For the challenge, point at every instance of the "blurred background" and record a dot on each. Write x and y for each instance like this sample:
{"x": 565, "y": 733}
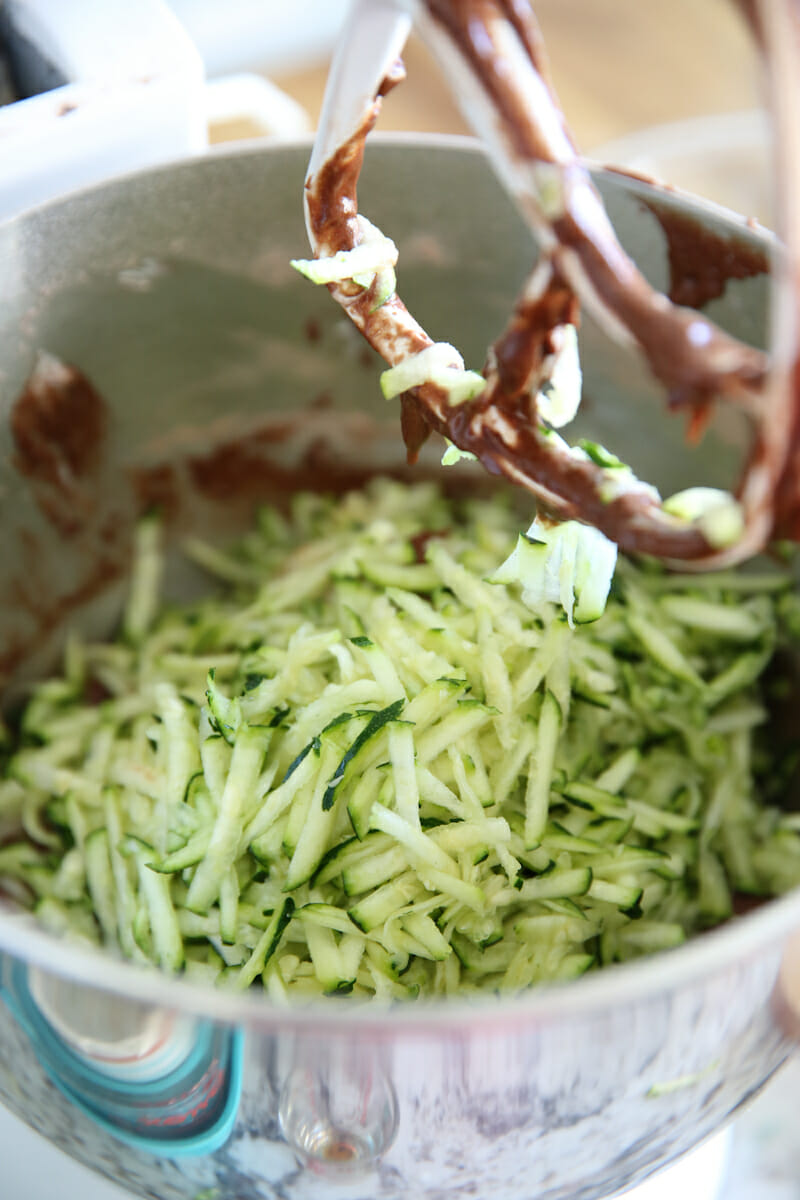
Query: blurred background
{"x": 668, "y": 89}
{"x": 618, "y": 65}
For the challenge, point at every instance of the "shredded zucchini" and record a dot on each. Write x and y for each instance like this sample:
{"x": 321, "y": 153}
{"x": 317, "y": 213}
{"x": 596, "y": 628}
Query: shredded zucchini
{"x": 366, "y": 767}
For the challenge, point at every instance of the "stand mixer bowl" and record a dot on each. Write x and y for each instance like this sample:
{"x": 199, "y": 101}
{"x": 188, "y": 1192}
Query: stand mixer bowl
{"x": 224, "y": 379}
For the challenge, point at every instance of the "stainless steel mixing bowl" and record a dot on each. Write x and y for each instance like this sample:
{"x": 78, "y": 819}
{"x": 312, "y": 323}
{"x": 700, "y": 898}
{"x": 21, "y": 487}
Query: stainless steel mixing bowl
{"x": 172, "y": 291}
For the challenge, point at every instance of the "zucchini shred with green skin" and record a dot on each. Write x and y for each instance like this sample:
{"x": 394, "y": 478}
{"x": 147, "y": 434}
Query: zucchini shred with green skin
{"x": 366, "y": 769}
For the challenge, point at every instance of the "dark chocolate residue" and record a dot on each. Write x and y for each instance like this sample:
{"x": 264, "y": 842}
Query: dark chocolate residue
{"x": 414, "y": 425}
{"x": 701, "y": 262}
{"x": 312, "y": 330}
{"x": 241, "y": 470}
{"x": 57, "y": 423}
{"x": 419, "y": 542}
{"x": 744, "y": 903}
{"x": 528, "y": 339}
{"x": 156, "y": 488}
{"x": 95, "y": 692}
{"x": 58, "y": 426}
{"x": 236, "y": 473}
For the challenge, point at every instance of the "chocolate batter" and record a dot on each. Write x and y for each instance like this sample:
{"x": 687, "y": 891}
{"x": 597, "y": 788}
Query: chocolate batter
{"x": 697, "y": 363}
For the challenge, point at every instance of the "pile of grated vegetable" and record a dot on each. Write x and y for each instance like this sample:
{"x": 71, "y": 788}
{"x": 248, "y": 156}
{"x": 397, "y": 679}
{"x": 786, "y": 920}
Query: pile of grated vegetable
{"x": 366, "y": 768}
